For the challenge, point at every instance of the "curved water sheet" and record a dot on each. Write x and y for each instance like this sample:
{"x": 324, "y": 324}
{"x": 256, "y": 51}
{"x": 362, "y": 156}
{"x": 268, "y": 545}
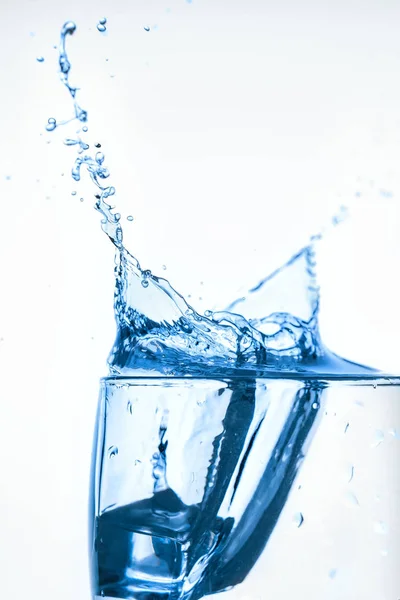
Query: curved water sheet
{"x": 272, "y": 329}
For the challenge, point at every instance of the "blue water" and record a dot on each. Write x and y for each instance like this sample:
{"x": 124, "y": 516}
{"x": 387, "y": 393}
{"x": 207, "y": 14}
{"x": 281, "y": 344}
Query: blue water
{"x": 271, "y": 332}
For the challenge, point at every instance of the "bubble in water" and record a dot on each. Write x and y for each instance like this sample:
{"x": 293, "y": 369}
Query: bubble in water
{"x": 51, "y": 124}
{"x": 40, "y": 59}
{"x": 379, "y": 436}
{"x": 380, "y": 527}
{"x": 298, "y": 519}
{"x": 112, "y": 451}
{"x": 129, "y": 218}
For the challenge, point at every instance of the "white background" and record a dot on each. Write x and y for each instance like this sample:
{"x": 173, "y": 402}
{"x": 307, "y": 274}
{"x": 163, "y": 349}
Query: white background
{"x": 233, "y": 131}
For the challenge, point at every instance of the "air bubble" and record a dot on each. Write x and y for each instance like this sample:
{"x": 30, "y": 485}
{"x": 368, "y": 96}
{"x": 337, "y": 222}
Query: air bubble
{"x": 112, "y": 451}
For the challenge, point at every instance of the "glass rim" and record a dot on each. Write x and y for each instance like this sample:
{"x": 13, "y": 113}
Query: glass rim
{"x": 378, "y": 379}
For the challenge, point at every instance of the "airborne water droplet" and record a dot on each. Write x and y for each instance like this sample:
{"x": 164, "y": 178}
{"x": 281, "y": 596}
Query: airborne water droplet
{"x": 51, "y": 124}
{"x": 379, "y": 437}
{"x": 332, "y": 573}
{"x": 112, "y": 451}
{"x": 298, "y": 519}
{"x": 351, "y": 499}
{"x": 73, "y": 193}
{"x": 102, "y": 28}
{"x": 129, "y": 407}
{"x": 40, "y": 59}
{"x": 380, "y": 527}
{"x": 146, "y": 28}
{"x": 129, "y": 218}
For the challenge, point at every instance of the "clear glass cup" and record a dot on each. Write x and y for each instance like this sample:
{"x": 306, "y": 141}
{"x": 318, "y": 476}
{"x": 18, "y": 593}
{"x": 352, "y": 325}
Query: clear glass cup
{"x": 246, "y": 488}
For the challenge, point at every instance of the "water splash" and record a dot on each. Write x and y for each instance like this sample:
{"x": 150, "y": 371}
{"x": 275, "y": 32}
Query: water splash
{"x": 274, "y": 327}
{"x": 101, "y": 25}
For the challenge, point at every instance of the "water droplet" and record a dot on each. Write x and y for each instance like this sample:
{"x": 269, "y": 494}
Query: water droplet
{"x": 164, "y": 267}
{"x": 379, "y": 437}
{"x": 394, "y": 433}
{"x": 146, "y": 28}
{"x": 347, "y": 427}
{"x": 81, "y": 199}
{"x": 99, "y": 158}
{"x": 380, "y": 527}
{"x": 112, "y": 451}
{"x": 103, "y": 21}
{"x": 208, "y": 313}
{"x": 137, "y": 462}
{"x": 97, "y": 145}
{"x": 51, "y": 124}
{"x": 129, "y": 218}
{"x": 40, "y": 59}
{"x": 298, "y": 519}
{"x": 129, "y": 407}
{"x": 332, "y": 573}
{"x": 85, "y": 128}
{"x": 102, "y": 28}
{"x": 351, "y": 499}
{"x": 315, "y": 405}
{"x": 351, "y": 474}
{"x": 73, "y": 193}
{"x": 145, "y": 283}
